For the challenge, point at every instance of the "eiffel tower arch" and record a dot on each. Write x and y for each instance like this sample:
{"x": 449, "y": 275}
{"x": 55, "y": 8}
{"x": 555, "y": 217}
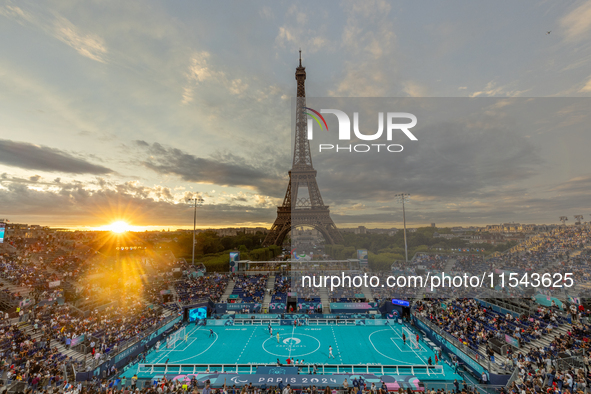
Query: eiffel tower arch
{"x": 302, "y": 205}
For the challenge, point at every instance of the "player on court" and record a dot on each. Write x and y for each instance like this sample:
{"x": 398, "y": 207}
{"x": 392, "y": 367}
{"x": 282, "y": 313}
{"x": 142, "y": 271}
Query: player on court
{"x": 211, "y": 333}
{"x": 277, "y": 337}
{"x": 404, "y": 338}
{"x": 417, "y": 338}
{"x": 330, "y": 352}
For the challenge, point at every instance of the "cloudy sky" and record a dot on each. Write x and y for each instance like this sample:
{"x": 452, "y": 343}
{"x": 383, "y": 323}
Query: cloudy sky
{"x": 120, "y": 110}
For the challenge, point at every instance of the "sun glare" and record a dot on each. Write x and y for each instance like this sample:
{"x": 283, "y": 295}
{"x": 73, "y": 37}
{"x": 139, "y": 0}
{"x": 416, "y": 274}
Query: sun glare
{"x": 119, "y": 227}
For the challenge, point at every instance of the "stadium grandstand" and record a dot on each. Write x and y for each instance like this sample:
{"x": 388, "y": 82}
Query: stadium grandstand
{"x": 77, "y": 318}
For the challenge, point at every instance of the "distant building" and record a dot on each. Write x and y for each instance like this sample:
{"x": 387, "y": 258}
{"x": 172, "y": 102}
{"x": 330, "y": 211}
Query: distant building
{"x": 233, "y": 231}
{"x": 445, "y": 236}
{"x": 361, "y": 230}
{"x": 517, "y": 228}
{"x": 488, "y": 238}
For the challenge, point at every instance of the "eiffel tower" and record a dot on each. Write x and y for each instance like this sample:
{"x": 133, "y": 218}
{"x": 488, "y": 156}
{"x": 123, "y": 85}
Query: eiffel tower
{"x": 302, "y": 205}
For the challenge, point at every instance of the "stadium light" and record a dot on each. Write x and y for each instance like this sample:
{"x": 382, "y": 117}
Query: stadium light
{"x": 403, "y": 197}
{"x": 563, "y": 219}
{"x": 196, "y": 201}
{"x": 578, "y": 219}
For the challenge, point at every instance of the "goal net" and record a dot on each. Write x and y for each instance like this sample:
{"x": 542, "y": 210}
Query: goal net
{"x": 411, "y": 338}
{"x": 177, "y": 336}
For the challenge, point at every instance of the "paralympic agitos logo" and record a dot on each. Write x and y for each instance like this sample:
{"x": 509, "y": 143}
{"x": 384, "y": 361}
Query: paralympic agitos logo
{"x": 392, "y": 126}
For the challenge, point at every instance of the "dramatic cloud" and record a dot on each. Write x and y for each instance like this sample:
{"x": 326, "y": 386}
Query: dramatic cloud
{"x": 208, "y": 94}
{"x": 43, "y": 158}
{"x": 100, "y": 203}
{"x": 226, "y": 170}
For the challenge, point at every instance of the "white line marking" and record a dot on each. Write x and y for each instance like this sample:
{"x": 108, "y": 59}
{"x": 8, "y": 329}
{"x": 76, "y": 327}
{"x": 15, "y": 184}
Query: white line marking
{"x": 420, "y": 358}
{"x": 246, "y": 344}
{"x": 197, "y": 355}
{"x": 394, "y": 340}
{"x": 422, "y": 348}
{"x": 291, "y": 342}
{"x": 391, "y": 358}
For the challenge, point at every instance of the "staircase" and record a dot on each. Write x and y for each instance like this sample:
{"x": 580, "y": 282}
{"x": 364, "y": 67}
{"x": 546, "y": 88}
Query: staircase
{"x": 324, "y": 299}
{"x": 44, "y": 258}
{"x": 28, "y": 329}
{"x": 175, "y": 294}
{"x": 449, "y": 265}
{"x": 13, "y": 289}
{"x": 228, "y": 291}
{"x": 8, "y": 303}
{"x": 6, "y": 247}
{"x": 544, "y": 341}
{"x": 367, "y": 293}
{"x": 70, "y": 373}
{"x": 268, "y": 289}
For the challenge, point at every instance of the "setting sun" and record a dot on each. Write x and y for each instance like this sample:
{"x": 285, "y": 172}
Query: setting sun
{"x": 118, "y": 227}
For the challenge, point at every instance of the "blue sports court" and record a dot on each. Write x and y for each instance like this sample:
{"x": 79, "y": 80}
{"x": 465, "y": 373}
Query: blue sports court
{"x": 252, "y": 344}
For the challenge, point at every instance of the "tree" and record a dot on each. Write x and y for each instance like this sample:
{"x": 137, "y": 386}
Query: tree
{"x": 208, "y": 242}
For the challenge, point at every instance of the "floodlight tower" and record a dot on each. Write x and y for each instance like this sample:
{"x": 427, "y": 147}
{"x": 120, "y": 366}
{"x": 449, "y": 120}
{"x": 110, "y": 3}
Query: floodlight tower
{"x": 403, "y": 197}
{"x": 578, "y": 219}
{"x": 563, "y": 219}
{"x": 195, "y": 201}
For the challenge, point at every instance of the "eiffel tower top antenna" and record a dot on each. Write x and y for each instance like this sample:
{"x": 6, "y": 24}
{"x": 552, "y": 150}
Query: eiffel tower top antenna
{"x": 301, "y": 156}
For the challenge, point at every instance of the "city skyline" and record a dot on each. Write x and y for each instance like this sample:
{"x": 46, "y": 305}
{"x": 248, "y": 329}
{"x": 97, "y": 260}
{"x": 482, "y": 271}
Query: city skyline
{"x": 107, "y": 118}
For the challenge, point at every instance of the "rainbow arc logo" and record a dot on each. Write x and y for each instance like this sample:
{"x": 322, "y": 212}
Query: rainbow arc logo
{"x": 315, "y": 116}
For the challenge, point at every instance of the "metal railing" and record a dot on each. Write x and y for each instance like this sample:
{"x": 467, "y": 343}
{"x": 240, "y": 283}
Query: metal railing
{"x": 513, "y": 377}
{"x": 194, "y": 301}
{"x": 449, "y": 387}
{"x": 474, "y": 355}
{"x": 570, "y": 363}
{"x": 127, "y": 344}
{"x": 163, "y": 368}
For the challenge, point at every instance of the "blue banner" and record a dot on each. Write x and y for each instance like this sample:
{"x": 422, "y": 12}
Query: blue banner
{"x": 351, "y": 307}
{"x": 265, "y": 316}
{"x": 252, "y": 307}
{"x": 277, "y": 307}
{"x": 293, "y": 380}
{"x": 393, "y": 383}
{"x": 511, "y": 341}
{"x": 547, "y": 301}
{"x": 304, "y": 307}
{"x": 77, "y": 341}
{"x": 400, "y": 302}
